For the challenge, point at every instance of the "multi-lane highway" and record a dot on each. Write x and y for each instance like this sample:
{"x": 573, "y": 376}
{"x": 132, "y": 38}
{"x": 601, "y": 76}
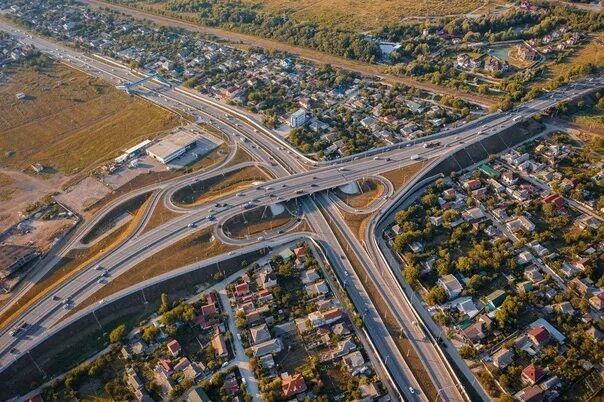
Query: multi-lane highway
{"x": 282, "y": 161}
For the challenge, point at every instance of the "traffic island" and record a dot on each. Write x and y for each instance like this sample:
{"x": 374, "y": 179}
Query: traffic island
{"x": 277, "y": 217}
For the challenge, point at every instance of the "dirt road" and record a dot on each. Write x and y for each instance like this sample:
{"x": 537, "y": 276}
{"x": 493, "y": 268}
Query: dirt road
{"x": 309, "y": 54}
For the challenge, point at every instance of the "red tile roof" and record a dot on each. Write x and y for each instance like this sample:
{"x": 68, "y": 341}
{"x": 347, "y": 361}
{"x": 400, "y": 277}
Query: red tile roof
{"x": 208, "y": 309}
{"x": 242, "y": 289}
{"x": 173, "y": 346}
{"x": 533, "y": 373}
{"x": 293, "y": 385}
{"x": 539, "y": 334}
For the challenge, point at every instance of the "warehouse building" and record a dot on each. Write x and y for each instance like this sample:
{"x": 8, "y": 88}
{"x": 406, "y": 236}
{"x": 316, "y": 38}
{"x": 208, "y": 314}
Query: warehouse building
{"x": 13, "y": 257}
{"x": 172, "y": 146}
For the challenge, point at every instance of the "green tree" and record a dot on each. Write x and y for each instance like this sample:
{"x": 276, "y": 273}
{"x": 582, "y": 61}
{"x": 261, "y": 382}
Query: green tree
{"x": 117, "y": 334}
{"x": 436, "y": 295}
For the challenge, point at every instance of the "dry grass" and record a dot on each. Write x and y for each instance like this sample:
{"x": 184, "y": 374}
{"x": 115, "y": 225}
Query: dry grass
{"x": 73, "y": 262}
{"x": 219, "y": 186}
{"x": 361, "y": 15}
{"x": 71, "y": 121}
{"x": 371, "y": 191}
{"x": 591, "y": 52}
{"x": 6, "y": 191}
{"x": 196, "y": 247}
{"x": 161, "y": 214}
{"x": 241, "y": 156}
{"x": 259, "y": 220}
{"x": 401, "y": 176}
{"x": 357, "y": 223}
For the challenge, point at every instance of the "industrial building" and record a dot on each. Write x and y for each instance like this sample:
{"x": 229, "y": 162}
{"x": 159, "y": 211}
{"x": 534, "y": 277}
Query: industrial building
{"x": 172, "y": 146}
{"x": 14, "y": 257}
{"x": 133, "y": 151}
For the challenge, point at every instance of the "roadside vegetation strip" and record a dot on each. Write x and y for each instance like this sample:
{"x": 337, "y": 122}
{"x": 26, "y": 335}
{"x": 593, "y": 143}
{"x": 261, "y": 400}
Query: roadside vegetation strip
{"x": 401, "y": 176}
{"x": 218, "y": 186}
{"x": 370, "y": 191}
{"x": 72, "y": 263}
{"x": 69, "y": 121}
{"x": 194, "y": 248}
{"x": 394, "y": 329}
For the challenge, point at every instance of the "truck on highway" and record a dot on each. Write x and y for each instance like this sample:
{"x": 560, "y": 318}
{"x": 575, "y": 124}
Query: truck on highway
{"x": 414, "y": 157}
{"x": 431, "y": 144}
{"x": 517, "y": 118}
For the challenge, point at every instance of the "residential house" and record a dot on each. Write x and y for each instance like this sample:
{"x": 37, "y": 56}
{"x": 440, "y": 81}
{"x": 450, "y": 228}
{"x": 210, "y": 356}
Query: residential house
{"x": 242, "y": 289}
{"x": 354, "y": 361}
{"x": 267, "y": 347}
{"x": 539, "y": 336}
{"x": 219, "y": 345}
{"x": 532, "y": 374}
{"x": 174, "y": 347}
{"x": 292, "y": 385}
{"x": 530, "y": 394}
{"x": 451, "y": 285}
{"x": 260, "y": 334}
{"x": 309, "y": 276}
{"x": 597, "y": 301}
{"x": 503, "y": 357}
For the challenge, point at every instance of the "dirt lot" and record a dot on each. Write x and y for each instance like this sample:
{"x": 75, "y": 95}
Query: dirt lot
{"x": 84, "y": 194}
{"x": 18, "y": 189}
{"x": 70, "y": 121}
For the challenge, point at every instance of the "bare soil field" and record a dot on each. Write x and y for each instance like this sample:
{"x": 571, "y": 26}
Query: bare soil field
{"x": 18, "y": 189}
{"x": 84, "y": 194}
{"x": 69, "y": 121}
{"x": 42, "y": 233}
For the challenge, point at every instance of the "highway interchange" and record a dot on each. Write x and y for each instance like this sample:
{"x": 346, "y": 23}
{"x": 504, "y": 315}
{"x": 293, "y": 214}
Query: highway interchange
{"x": 295, "y": 177}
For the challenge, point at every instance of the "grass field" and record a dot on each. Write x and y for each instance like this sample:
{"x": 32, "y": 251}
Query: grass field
{"x": 591, "y": 52}
{"x": 259, "y": 220}
{"x": 69, "y": 120}
{"x": 196, "y": 247}
{"x": 363, "y": 15}
{"x": 400, "y": 177}
{"x": 371, "y": 191}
